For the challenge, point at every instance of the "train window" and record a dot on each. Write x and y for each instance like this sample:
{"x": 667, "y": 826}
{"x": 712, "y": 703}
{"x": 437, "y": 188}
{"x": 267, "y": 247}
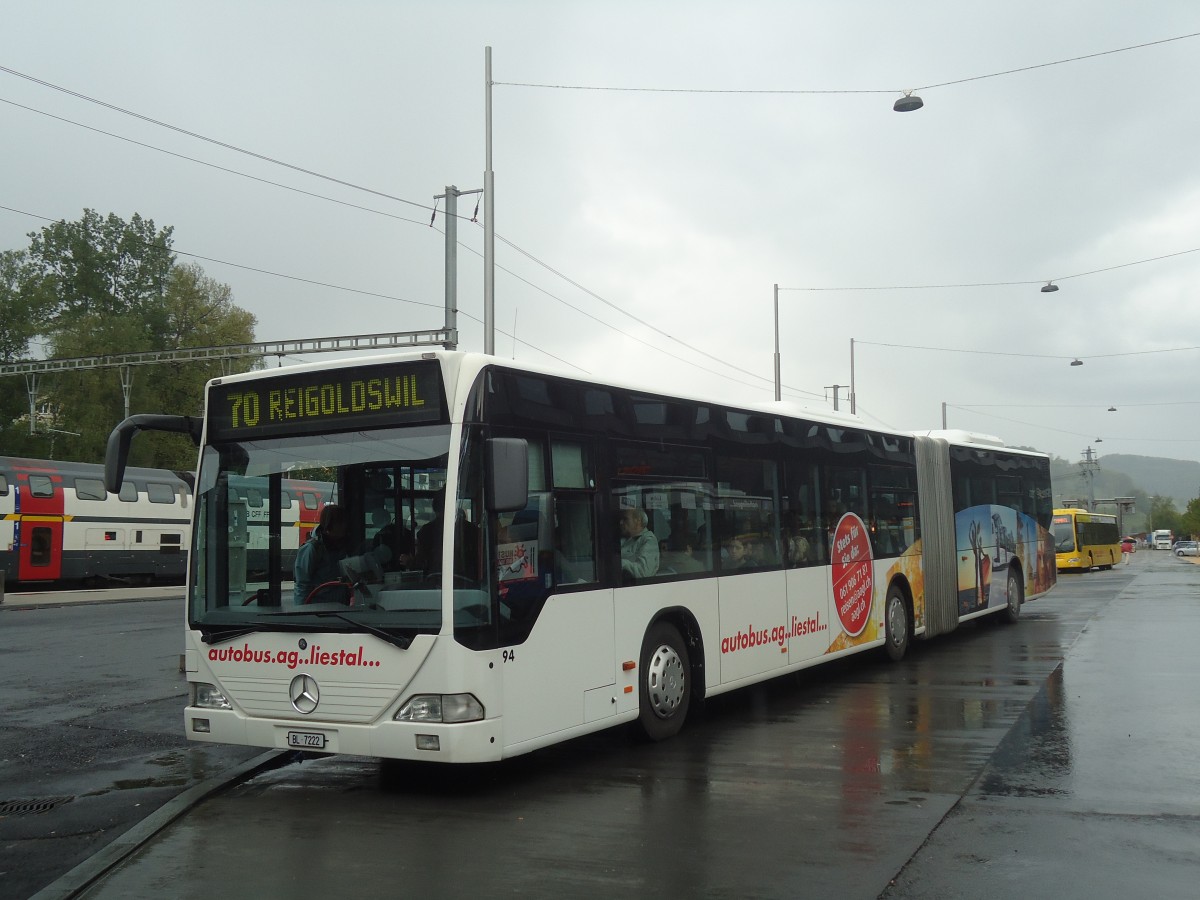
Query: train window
{"x": 40, "y": 547}
{"x": 41, "y": 486}
{"x": 164, "y": 493}
{"x": 129, "y": 492}
{"x": 310, "y": 501}
{"x": 3, "y": 485}
{"x": 90, "y": 489}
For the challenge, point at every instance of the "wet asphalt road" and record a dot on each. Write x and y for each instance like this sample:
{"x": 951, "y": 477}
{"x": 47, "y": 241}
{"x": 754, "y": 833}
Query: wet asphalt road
{"x": 1053, "y": 758}
{"x": 90, "y": 727}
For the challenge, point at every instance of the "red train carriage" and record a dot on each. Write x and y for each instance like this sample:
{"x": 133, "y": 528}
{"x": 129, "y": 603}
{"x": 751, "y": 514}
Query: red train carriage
{"x": 58, "y": 523}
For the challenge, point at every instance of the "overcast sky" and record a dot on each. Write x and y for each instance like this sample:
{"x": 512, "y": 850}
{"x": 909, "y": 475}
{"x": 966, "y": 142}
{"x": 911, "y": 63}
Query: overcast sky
{"x": 651, "y": 225}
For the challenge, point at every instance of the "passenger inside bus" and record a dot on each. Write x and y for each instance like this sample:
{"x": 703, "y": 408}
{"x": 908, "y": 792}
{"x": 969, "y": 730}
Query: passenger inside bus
{"x": 317, "y": 562}
{"x": 467, "y": 546}
{"x": 396, "y": 539}
{"x": 639, "y": 546}
{"x": 734, "y": 554}
{"x": 797, "y": 547}
{"x": 678, "y": 553}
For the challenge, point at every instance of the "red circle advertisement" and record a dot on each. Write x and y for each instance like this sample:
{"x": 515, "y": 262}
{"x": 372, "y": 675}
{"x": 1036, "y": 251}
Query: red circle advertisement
{"x": 852, "y": 574}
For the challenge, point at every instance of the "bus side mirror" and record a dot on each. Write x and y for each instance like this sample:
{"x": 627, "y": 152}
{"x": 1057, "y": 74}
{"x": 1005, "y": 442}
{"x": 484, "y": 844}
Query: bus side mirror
{"x": 116, "y": 453}
{"x": 508, "y": 474}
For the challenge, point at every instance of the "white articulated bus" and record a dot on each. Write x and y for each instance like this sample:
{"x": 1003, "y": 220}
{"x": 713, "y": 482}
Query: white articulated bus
{"x": 533, "y": 556}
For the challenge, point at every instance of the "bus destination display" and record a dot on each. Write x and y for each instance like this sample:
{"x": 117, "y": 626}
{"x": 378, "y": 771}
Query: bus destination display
{"x": 329, "y": 400}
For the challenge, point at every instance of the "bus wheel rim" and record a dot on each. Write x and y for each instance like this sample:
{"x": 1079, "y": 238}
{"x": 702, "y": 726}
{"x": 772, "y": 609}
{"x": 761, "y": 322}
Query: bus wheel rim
{"x": 665, "y": 682}
{"x": 897, "y": 621}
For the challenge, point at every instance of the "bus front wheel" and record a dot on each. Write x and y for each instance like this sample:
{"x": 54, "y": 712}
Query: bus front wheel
{"x": 895, "y": 623}
{"x": 666, "y": 683}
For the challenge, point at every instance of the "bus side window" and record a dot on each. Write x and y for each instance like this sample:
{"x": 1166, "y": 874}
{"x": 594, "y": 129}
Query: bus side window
{"x": 575, "y": 540}
{"x": 574, "y": 511}
{"x": 804, "y": 542}
{"x": 683, "y": 532}
{"x": 845, "y": 492}
{"x": 893, "y": 519}
{"x": 523, "y": 542}
{"x": 748, "y": 503}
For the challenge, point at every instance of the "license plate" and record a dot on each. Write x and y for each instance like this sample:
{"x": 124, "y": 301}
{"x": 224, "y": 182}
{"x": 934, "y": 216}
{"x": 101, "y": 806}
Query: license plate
{"x": 308, "y": 740}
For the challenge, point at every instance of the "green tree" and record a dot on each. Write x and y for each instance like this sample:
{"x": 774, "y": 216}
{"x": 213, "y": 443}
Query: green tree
{"x": 16, "y": 329}
{"x": 1163, "y": 514}
{"x": 98, "y": 267}
{"x": 20, "y": 320}
{"x": 1190, "y": 520}
{"x": 107, "y": 287}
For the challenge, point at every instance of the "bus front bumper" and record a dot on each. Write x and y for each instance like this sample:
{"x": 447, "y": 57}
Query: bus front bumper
{"x": 466, "y": 742}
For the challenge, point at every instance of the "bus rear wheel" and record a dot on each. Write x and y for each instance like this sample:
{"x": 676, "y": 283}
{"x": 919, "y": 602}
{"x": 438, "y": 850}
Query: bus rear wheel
{"x": 666, "y": 683}
{"x": 895, "y": 623}
{"x": 1016, "y": 596}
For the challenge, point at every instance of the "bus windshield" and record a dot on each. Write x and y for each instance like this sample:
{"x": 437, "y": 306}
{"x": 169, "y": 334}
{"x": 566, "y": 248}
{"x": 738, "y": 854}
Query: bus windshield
{"x": 1063, "y": 530}
{"x": 269, "y": 553}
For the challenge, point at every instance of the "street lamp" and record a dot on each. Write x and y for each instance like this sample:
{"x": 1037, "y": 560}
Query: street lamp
{"x": 908, "y": 103}
{"x": 1077, "y": 361}
{"x": 1049, "y": 287}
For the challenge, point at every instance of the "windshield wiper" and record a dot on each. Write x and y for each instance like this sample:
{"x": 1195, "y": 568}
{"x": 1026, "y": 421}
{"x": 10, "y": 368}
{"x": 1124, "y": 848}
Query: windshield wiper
{"x": 395, "y": 640}
{"x": 217, "y": 635}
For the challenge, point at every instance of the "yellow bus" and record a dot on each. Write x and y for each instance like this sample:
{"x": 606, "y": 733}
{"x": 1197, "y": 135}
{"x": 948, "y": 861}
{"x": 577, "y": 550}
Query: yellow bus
{"x": 1085, "y": 539}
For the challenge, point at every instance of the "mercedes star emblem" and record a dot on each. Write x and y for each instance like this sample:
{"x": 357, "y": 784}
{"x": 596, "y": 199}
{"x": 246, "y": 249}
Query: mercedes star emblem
{"x": 304, "y": 693}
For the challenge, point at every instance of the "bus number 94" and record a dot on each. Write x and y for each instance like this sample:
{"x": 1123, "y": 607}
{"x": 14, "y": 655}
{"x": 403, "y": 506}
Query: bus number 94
{"x": 509, "y": 656}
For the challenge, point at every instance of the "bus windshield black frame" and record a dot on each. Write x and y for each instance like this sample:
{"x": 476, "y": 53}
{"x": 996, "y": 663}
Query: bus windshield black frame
{"x": 338, "y": 465}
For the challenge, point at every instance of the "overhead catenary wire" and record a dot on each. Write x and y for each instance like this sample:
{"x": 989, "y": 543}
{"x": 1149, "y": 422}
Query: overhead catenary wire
{"x": 219, "y": 168}
{"x": 337, "y": 287}
{"x": 981, "y": 284}
{"x": 802, "y": 91}
{"x": 433, "y": 210}
{"x": 1139, "y": 438}
{"x": 535, "y": 259}
{"x": 1059, "y": 356}
{"x": 532, "y": 257}
{"x": 376, "y": 294}
{"x": 214, "y": 141}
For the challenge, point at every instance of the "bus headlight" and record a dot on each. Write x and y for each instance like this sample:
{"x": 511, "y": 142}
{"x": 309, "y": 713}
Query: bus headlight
{"x": 440, "y": 708}
{"x": 206, "y": 696}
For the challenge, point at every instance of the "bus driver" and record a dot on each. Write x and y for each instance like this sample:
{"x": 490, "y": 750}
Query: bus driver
{"x": 317, "y": 561}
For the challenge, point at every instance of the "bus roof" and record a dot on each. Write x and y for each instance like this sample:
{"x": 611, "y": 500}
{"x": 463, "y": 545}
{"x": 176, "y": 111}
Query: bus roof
{"x": 464, "y": 366}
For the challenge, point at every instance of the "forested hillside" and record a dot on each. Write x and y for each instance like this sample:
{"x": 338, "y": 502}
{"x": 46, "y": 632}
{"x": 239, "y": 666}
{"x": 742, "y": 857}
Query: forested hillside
{"x": 1120, "y": 475}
